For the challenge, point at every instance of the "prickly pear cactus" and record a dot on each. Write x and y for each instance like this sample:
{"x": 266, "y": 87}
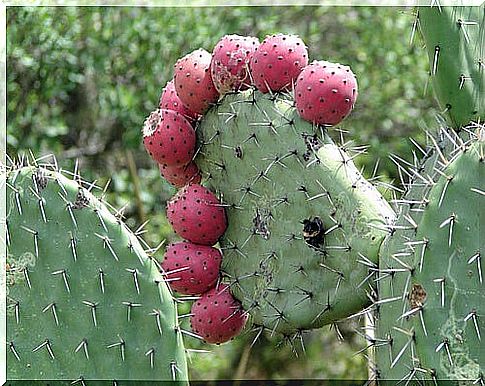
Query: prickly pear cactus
{"x": 395, "y": 264}
{"x": 84, "y": 299}
{"x": 451, "y": 318}
{"x": 430, "y": 278}
{"x": 454, "y": 38}
{"x": 431, "y": 297}
{"x": 304, "y": 226}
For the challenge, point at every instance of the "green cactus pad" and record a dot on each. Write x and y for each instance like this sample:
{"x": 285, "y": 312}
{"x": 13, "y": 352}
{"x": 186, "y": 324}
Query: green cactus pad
{"x": 455, "y": 40}
{"x": 425, "y": 277}
{"x": 395, "y": 261}
{"x": 452, "y": 297}
{"x": 431, "y": 298}
{"x": 84, "y": 300}
{"x": 275, "y": 171}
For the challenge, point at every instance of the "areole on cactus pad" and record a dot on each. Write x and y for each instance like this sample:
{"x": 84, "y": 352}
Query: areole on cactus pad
{"x": 455, "y": 42}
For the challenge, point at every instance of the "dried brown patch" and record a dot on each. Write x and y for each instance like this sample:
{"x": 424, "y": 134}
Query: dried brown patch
{"x": 417, "y": 296}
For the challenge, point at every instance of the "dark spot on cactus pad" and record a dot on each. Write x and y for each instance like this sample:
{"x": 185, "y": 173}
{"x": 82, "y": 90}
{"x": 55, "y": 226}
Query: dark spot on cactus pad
{"x": 260, "y": 223}
{"x": 313, "y": 232}
{"x": 82, "y": 201}
{"x": 40, "y": 179}
{"x": 238, "y": 152}
{"x": 417, "y": 296}
{"x": 312, "y": 144}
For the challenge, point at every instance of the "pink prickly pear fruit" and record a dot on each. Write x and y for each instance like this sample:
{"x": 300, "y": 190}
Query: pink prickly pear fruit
{"x": 193, "y": 81}
{"x": 277, "y": 62}
{"x": 169, "y": 138}
{"x": 191, "y": 269}
{"x": 217, "y": 316}
{"x": 325, "y": 92}
{"x": 196, "y": 215}
{"x": 180, "y": 176}
{"x": 230, "y": 62}
{"x": 169, "y": 100}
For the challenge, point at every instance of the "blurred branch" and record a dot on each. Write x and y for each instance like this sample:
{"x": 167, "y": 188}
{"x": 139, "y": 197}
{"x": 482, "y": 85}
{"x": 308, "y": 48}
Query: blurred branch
{"x": 243, "y": 363}
{"x": 136, "y": 185}
{"x": 93, "y": 149}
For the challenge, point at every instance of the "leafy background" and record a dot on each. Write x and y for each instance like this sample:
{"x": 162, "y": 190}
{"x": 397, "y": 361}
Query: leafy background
{"x": 81, "y": 80}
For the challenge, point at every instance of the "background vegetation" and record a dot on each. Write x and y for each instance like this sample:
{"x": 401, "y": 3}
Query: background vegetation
{"x": 81, "y": 80}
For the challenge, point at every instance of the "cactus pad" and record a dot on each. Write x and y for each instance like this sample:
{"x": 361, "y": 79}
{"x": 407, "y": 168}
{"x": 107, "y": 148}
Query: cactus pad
{"x": 455, "y": 40}
{"x": 431, "y": 298}
{"x": 300, "y": 215}
{"x": 84, "y": 299}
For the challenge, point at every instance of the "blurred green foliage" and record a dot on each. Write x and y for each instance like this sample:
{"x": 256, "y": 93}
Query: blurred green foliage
{"x": 81, "y": 80}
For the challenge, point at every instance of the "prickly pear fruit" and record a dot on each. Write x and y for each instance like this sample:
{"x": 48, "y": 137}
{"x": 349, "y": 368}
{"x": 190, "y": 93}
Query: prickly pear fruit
{"x": 169, "y": 138}
{"x": 180, "y": 176}
{"x": 169, "y": 100}
{"x": 217, "y": 316}
{"x": 230, "y": 62}
{"x": 191, "y": 269}
{"x": 193, "y": 81}
{"x": 277, "y": 62}
{"x": 196, "y": 215}
{"x": 325, "y": 92}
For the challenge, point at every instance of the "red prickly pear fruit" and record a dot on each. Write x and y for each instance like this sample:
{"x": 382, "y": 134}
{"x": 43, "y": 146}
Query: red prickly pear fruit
{"x": 169, "y": 100}
{"x": 217, "y": 316}
{"x": 196, "y": 215}
{"x": 230, "y": 62}
{"x": 169, "y": 138}
{"x": 191, "y": 269}
{"x": 325, "y": 92}
{"x": 193, "y": 81}
{"x": 277, "y": 62}
{"x": 180, "y": 176}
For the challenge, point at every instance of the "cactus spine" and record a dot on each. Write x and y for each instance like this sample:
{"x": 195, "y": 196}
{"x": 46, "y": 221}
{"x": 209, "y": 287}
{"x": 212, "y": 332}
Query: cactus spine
{"x": 84, "y": 299}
